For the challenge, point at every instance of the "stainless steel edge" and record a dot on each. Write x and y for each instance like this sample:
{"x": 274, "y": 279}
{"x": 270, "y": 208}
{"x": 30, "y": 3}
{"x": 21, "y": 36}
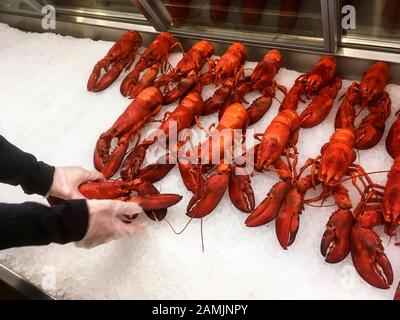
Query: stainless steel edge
{"x": 23, "y": 286}
{"x": 148, "y": 10}
{"x": 334, "y": 25}
{"x": 159, "y": 16}
{"x": 325, "y": 25}
{"x": 80, "y": 27}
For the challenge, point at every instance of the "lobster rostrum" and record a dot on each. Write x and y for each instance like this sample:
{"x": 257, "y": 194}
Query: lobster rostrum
{"x": 120, "y": 56}
{"x": 262, "y": 79}
{"x": 209, "y": 181}
{"x": 184, "y": 116}
{"x": 153, "y": 58}
{"x": 223, "y": 73}
{"x": 186, "y": 73}
{"x": 371, "y": 94}
{"x": 140, "y": 111}
{"x": 144, "y": 193}
{"x": 323, "y": 84}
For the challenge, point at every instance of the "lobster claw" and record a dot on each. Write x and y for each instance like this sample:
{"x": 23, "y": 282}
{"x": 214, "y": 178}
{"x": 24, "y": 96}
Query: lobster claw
{"x": 369, "y": 258}
{"x": 155, "y": 172}
{"x": 321, "y": 105}
{"x": 133, "y": 162}
{"x": 154, "y": 205}
{"x": 216, "y": 102}
{"x": 108, "y": 163}
{"x": 146, "y": 81}
{"x": 183, "y": 86}
{"x": 288, "y": 219}
{"x": 335, "y": 243}
{"x": 392, "y": 139}
{"x": 191, "y": 174}
{"x": 240, "y": 190}
{"x": 148, "y": 197}
{"x": 210, "y": 192}
{"x": 369, "y": 133}
{"x": 97, "y": 83}
{"x": 258, "y": 109}
{"x": 156, "y": 202}
{"x": 268, "y": 209}
{"x": 397, "y": 295}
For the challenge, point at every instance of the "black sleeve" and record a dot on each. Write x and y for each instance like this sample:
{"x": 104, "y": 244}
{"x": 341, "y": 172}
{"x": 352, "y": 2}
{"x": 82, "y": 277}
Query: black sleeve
{"x": 31, "y": 223}
{"x": 21, "y": 168}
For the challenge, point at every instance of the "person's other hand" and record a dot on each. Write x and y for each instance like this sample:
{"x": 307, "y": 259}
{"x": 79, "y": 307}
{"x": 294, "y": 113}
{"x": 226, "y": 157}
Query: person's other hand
{"x": 66, "y": 181}
{"x": 109, "y": 220}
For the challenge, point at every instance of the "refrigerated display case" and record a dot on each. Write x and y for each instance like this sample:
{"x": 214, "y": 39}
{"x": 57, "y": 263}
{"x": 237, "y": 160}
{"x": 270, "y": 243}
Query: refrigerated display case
{"x": 380, "y": 30}
{"x": 291, "y": 23}
{"x": 302, "y": 29}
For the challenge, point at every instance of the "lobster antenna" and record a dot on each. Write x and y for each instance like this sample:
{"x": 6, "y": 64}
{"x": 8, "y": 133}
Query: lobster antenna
{"x": 319, "y": 206}
{"x": 280, "y": 102}
{"x": 361, "y": 174}
{"x": 182, "y": 230}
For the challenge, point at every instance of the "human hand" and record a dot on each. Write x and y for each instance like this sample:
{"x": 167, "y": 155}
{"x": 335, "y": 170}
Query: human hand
{"x": 66, "y": 181}
{"x": 109, "y": 220}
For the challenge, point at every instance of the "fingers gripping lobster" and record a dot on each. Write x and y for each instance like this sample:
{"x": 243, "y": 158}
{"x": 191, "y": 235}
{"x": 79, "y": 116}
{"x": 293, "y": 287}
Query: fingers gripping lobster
{"x": 322, "y": 84}
{"x": 184, "y": 116}
{"x": 262, "y": 79}
{"x": 209, "y": 181}
{"x": 147, "y": 197}
{"x": 369, "y": 93}
{"x": 186, "y": 72}
{"x": 120, "y": 56}
{"x": 147, "y": 104}
{"x": 154, "y": 57}
{"x": 224, "y": 73}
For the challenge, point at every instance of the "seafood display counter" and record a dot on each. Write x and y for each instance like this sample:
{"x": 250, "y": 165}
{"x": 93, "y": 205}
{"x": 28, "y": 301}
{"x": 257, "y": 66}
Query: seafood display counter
{"x": 219, "y": 256}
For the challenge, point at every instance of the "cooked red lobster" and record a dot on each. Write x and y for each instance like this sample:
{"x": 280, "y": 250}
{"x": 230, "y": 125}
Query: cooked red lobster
{"x": 120, "y": 56}
{"x": 140, "y": 111}
{"x": 323, "y": 84}
{"x": 209, "y": 177}
{"x": 153, "y": 203}
{"x": 224, "y": 73}
{"x": 186, "y": 73}
{"x": 153, "y": 58}
{"x": 184, "y": 116}
{"x": 369, "y": 93}
{"x": 262, "y": 79}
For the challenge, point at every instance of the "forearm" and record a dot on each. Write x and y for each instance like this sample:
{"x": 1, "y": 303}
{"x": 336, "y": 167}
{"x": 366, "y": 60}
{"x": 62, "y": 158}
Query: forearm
{"x": 21, "y": 168}
{"x": 35, "y": 224}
